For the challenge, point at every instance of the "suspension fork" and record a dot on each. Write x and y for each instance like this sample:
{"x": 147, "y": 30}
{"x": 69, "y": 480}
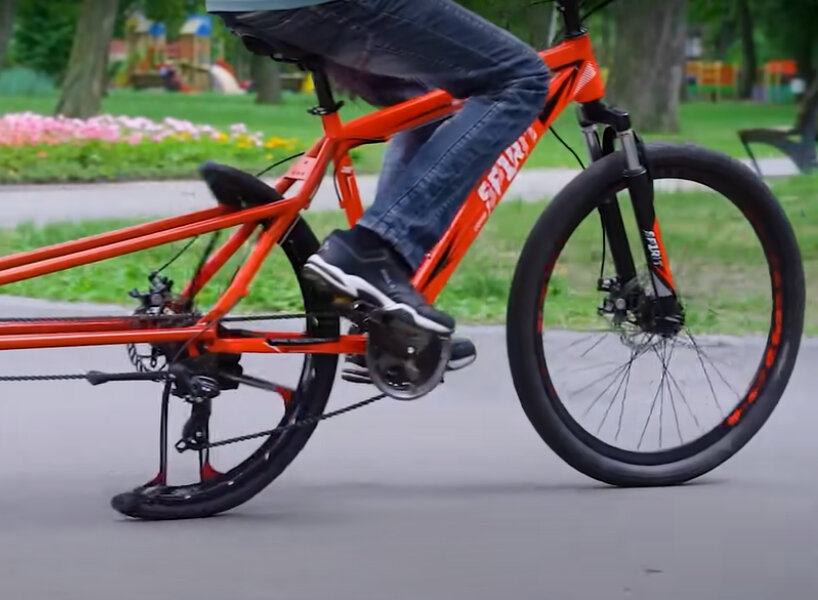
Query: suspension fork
{"x": 640, "y": 188}
{"x": 610, "y": 214}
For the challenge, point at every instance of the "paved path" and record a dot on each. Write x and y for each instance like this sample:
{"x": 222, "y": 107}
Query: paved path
{"x": 76, "y": 202}
{"x": 450, "y": 497}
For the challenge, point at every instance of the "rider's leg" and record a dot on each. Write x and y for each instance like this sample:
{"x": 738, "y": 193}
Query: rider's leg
{"x": 441, "y": 45}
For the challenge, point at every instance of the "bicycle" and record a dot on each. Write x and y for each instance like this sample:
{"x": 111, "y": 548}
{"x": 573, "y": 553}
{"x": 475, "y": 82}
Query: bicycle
{"x": 196, "y": 355}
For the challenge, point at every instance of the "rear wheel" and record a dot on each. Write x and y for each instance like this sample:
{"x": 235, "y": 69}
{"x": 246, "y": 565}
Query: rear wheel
{"x": 633, "y": 407}
{"x": 306, "y": 382}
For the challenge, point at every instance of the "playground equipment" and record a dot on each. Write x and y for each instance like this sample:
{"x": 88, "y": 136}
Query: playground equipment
{"x": 224, "y": 78}
{"x": 776, "y": 77}
{"x": 147, "y": 60}
{"x": 194, "y": 52}
{"x": 146, "y": 50}
{"x": 711, "y": 80}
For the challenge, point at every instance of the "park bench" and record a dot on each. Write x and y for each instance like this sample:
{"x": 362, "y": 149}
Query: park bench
{"x": 797, "y": 142}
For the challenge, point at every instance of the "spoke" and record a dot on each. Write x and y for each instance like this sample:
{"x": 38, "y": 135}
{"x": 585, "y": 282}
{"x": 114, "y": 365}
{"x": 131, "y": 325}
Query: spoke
{"x": 668, "y": 375}
{"x": 612, "y": 373}
{"x": 624, "y": 396}
{"x": 647, "y": 421}
{"x": 662, "y": 393}
{"x": 625, "y": 380}
{"x": 672, "y": 379}
{"x": 594, "y": 345}
{"x": 702, "y": 355}
{"x": 620, "y": 373}
{"x": 590, "y": 333}
{"x": 592, "y": 367}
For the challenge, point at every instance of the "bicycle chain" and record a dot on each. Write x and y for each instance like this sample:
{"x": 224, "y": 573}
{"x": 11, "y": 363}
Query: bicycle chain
{"x": 308, "y": 422}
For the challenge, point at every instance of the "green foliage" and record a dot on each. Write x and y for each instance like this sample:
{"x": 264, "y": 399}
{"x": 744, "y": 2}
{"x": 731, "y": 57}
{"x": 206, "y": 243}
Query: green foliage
{"x": 24, "y": 82}
{"x": 791, "y": 27}
{"x": 44, "y": 34}
{"x": 782, "y": 29}
{"x": 172, "y": 13}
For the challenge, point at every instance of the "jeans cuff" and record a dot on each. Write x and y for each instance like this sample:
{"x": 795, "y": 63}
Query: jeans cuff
{"x": 399, "y": 244}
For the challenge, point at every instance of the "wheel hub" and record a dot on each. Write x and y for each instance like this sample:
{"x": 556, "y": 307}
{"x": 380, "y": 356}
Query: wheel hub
{"x": 632, "y": 305}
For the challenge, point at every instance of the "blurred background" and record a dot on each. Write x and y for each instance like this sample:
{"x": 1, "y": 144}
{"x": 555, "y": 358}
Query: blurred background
{"x": 713, "y": 69}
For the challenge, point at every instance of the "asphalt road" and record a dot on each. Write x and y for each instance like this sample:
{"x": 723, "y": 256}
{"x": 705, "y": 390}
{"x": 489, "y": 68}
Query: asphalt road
{"x": 451, "y": 497}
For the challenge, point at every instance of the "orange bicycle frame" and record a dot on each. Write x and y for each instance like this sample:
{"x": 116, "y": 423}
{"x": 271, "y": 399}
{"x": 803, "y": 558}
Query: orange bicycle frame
{"x": 575, "y": 78}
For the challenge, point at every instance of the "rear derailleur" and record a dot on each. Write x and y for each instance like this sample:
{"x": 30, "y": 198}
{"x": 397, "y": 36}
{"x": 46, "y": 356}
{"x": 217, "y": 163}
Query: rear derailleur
{"x": 198, "y": 381}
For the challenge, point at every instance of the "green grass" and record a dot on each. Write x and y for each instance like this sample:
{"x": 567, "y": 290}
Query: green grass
{"x": 715, "y": 259}
{"x": 710, "y": 125}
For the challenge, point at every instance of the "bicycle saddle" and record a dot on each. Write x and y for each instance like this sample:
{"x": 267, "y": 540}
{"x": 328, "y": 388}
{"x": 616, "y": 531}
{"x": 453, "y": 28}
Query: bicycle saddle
{"x": 279, "y": 51}
{"x": 235, "y": 188}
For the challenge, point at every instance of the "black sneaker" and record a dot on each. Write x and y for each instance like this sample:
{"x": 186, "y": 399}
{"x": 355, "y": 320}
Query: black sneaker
{"x": 358, "y": 264}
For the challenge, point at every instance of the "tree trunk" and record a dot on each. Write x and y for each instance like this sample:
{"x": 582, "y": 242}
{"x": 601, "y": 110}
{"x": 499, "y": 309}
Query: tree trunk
{"x": 86, "y": 78}
{"x": 749, "y": 62}
{"x": 649, "y": 58}
{"x": 7, "y": 10}
{"x": 267, "y": 78}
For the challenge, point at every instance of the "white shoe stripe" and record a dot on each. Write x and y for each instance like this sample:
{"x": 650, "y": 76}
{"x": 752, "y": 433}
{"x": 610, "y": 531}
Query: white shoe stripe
{"x": 354, "y": 286}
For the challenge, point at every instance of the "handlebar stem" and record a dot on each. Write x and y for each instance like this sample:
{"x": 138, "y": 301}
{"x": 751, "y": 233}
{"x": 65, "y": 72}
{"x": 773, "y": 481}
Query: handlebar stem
{"x": 571, "y": 18}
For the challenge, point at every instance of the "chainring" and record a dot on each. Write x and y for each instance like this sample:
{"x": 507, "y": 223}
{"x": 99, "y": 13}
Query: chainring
{"x": 404, "y": 361}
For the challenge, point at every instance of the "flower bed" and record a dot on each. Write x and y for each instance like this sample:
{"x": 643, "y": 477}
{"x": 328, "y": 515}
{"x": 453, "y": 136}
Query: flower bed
{"x": 35, "y": 148}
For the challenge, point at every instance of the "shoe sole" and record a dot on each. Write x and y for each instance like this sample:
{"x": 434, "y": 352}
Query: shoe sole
{"x": 355, "y": 287}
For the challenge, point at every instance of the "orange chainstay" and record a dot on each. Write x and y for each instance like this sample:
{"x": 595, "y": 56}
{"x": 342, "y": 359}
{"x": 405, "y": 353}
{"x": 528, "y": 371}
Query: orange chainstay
{"x": 576, "y": 78}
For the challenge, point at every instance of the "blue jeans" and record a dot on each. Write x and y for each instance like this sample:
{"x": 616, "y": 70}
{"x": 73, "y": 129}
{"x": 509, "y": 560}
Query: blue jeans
{"x": 387, "y": 51}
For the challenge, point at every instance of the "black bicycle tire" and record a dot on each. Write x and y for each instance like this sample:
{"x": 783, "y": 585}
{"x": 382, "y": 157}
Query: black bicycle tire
{"x": 568, "y": 209}
{"x": 246, "y": 480}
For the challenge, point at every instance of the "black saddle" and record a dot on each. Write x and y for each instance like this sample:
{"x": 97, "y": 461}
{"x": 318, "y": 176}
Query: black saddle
{"x": 237, "y": 189}
{"x": 281, "y": 51}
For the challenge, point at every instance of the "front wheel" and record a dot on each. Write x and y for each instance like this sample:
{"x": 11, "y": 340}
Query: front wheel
{"x": 633, "y": 405}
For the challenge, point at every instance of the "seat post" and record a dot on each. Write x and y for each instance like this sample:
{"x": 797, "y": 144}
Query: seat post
{"x": 323, "y": 89}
